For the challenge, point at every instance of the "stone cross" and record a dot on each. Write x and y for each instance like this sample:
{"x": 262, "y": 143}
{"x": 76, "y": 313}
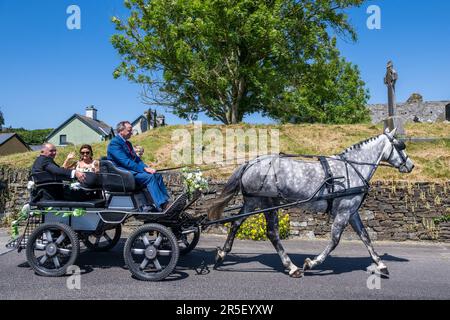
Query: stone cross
{"x": 389, "y": 80}
{"x": 392, "y": 121}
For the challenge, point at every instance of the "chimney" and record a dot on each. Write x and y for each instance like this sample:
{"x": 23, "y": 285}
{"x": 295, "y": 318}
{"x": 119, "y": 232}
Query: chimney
{"x": 91, "y": 112}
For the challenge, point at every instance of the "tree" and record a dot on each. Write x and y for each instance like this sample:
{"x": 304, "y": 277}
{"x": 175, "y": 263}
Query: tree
{"x": 330, "y": 92}
{"x": 2, "y": 119}
{"x": 229, "y": 58}
{"x": 31, "y": 137}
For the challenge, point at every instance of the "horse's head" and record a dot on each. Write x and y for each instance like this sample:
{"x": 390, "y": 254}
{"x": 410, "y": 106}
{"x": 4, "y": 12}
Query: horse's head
{"x": 395, "y": 154}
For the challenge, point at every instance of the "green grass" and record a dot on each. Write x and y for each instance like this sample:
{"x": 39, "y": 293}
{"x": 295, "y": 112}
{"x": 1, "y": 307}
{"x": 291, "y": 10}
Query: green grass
{"x": 432, "y": 159}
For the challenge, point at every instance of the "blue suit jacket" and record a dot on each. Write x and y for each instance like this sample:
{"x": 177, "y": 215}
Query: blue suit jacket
{"x": 119, "y": 153}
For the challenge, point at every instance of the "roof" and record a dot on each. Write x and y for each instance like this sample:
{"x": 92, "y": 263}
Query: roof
{"x": 158, "y": 115}
{"x": 36, "y": 147}
{"x": 137, "y": 120}
{"x": 98, "y": 126}
{"x": 4, "y": 137}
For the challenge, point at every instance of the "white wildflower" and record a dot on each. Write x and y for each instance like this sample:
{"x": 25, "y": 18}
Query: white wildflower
{"x": 30, "y": 185}
{"x": 26, "y": 209}
{"x": 75, "y": 186}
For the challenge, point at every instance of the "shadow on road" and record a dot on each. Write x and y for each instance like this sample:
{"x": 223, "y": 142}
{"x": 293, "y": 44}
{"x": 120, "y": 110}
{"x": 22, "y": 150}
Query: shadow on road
{"x": 201, "y": 261}
{"x": 271, "y": 262}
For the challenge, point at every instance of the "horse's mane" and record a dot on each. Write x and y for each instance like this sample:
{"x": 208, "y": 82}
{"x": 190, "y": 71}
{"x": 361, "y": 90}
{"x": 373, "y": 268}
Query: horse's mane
{"x": 359, "y": 145}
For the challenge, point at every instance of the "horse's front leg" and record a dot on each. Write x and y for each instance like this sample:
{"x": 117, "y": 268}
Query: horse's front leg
{"x": 222, "y": 252}
{"x": 339, "y": 223}
{"x": 359, "y": 228}
{"x": 274, "y": 236}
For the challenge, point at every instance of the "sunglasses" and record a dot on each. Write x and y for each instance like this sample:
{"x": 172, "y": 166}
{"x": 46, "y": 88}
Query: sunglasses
{"x": 85, "y": 152}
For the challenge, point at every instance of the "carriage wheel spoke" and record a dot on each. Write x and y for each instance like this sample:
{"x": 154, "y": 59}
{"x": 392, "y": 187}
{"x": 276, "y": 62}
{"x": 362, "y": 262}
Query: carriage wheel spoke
{"x": 165, "y": 253}
{"x": 106, "y": 236}
{"x": 39, "y": 246}
{"x": 144, "y": 264}
{"x": 60, "y": 238}
{"x": 56, "y": 262}
{"x": 145, "y": 240}
{"x": 48, "y": 235}
{"x": 43, "y": 259}
{"x": 185, "y": 241}
{"x": 66, "y": 252}
{"x": 138, "y": 251}
{"x": 157, "y": 264}
{"x": 157, "y": 241}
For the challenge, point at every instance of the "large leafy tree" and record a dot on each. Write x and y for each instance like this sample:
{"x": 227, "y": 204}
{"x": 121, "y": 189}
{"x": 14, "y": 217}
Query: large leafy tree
{"x": 229, "y": 58}
{"x": 331, "y": 92}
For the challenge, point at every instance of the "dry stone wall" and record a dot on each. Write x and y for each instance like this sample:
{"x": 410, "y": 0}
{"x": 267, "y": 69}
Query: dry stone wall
{"x": 393, "y": 210}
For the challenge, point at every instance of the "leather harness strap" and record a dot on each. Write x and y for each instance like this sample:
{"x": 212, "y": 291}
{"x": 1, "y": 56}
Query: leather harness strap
{"x": 330, "y": 183}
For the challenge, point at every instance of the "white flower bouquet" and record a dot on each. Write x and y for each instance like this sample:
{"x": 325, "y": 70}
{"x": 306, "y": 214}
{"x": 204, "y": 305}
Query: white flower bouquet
{"x": 194, "y": 181}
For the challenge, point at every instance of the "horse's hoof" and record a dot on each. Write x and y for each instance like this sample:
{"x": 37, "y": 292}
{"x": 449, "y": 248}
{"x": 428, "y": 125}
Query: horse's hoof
{"x": 218, "y": 262}
{"x": 296, "y": 274}
{"x": 218, "y": 258}
{"x": 307, "y": 265}
{"x": 384, "y": 272}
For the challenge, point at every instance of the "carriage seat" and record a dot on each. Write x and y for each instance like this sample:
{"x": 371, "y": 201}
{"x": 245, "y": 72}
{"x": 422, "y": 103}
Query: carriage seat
{"x": 115, "y": 179}
{"x": 94, "y": 203}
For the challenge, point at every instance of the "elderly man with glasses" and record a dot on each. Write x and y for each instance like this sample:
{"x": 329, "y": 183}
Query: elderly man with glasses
{"x": 45, "y": 170}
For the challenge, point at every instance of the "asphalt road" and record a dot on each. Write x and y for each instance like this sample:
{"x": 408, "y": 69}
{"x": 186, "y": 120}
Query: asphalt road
{"x": 252, "y": 271}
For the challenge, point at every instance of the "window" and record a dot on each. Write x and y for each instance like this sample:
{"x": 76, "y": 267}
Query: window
{"x": 63, "y": 139}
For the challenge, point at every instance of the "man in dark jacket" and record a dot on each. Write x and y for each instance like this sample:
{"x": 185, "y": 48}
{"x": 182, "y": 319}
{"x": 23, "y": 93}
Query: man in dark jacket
{"x": 45, "y": 170}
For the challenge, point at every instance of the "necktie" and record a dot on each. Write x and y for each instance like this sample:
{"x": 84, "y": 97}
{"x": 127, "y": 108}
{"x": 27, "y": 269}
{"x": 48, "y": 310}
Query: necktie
{"x": 133, "y": 155}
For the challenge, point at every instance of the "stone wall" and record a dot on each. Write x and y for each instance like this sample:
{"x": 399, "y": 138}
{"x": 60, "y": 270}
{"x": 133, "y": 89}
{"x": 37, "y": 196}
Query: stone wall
{"x": 431, "y": 111}
{"x": 13, "y": 190}
{"x": 396, "y": 211}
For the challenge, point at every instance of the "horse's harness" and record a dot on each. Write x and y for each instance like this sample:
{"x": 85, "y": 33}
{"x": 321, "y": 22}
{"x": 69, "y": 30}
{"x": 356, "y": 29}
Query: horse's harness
{"x": 330, "y": 179}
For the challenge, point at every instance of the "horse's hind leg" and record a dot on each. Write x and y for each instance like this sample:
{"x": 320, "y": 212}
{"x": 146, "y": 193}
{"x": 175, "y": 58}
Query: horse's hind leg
{"x": 339, "y": 224}
{"x": 359, "y": 228}
{"x": 250, "y": 203}
{"x": 274, "y": 236}
{"x": 222, "y": 252}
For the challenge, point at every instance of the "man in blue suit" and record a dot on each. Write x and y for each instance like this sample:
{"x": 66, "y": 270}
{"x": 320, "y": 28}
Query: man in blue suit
{"x": 121, "y": 152}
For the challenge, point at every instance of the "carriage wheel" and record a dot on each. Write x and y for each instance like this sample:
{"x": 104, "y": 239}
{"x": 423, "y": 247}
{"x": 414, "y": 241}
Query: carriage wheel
{"x": 103, "y": 240}
{"x": 52, "y": 248}
{"x": 151, "y": 252}
{"x": 188, "y": 242}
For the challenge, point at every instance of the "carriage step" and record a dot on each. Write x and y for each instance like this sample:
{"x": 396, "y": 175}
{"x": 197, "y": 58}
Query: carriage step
{"x": 177, "y": 206}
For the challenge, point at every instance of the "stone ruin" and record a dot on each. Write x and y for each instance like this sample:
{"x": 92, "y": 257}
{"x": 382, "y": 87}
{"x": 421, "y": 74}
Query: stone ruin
{"x": 415, "y": 109}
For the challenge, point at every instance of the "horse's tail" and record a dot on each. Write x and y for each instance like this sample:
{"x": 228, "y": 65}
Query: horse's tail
{"x": 232, "y": 187}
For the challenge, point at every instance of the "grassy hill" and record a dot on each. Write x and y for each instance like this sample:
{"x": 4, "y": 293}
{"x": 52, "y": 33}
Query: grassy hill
{"x": 432, "y": 159}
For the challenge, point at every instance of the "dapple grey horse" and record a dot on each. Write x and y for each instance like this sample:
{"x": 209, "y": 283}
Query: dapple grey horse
{"x": 268, "y": 181}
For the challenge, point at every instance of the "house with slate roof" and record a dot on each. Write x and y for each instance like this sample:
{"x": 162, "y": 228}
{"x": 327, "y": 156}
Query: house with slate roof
{"x": 79, "y": 129}
{"x": 147, "y": 121}
{"x": 11, "y": 143}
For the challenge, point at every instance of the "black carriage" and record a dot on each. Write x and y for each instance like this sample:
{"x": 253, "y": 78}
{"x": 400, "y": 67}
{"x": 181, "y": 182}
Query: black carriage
{"x": 52, "y": 239}
{"x": 151, "y": 252}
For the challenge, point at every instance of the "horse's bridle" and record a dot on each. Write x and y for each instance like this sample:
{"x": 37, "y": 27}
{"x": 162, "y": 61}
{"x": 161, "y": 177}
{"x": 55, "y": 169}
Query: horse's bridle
{"x": 399, "y": 147}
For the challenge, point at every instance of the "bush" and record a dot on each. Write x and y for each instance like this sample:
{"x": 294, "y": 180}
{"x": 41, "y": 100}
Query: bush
{"x": 442, "y": 219}
{"x": 37, "y": 136}
{"x": 255, "y": 227}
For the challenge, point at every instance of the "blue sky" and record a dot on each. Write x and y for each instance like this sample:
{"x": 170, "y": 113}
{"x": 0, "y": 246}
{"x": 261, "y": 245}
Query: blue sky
{"x": 48, "y": 72}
